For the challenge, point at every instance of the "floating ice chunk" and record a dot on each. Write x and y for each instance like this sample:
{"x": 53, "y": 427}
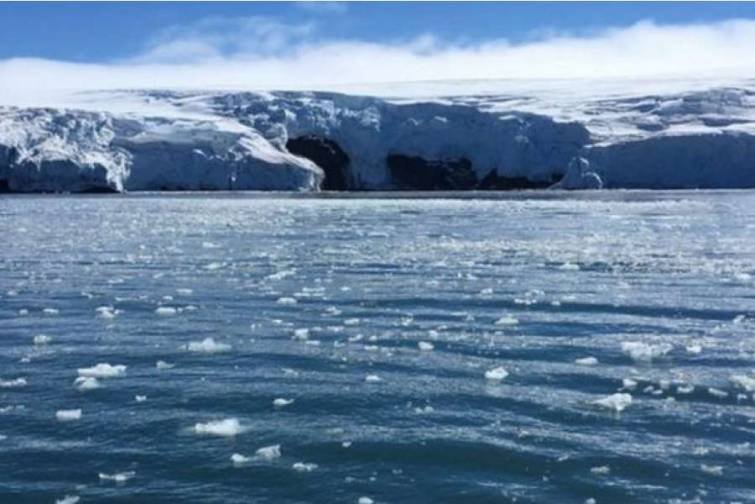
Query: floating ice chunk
{"x": 426, "y": 346}
{"x": 496, "y": 374}
{"x": 645, "y": 352}
{"x": 228, "y": 427}
{"x": 207, "y": 345}
{"x": 140, "y": 398}
{"x": 106, "y": 312}
{"x": 628, "y": 384}
{"x": 287, "y": 301}
{"x": 68, "y": 415}
{"x": 14, "y": 383}
{"x": 346, "y": 444}
{"x": 685, "y": 389}
{"x": 301, "y": 334}
{"x": 268, "y": 453}
{"x": 68, "y": 499}
{"x": 184, "y": 292}
{"x": 721, "y": 394}
{"x": 118, "y": 477}
{"x": 351, "y": 322}
{"x": 507, "y": 320}
{"x": 617, "y": 402}
{"x": 280, "y": 402}
{"x": 304, "y": 466}
{"x": 103, "y": 370}
{"x": 165, "y": 311}
{"x": 744, "y": 382}
{"x": 587, "y": 361}
{"x": 84, "y": 383}
{"x": 365, "y": 500}
{"x": 239, "y": 459}
{"x": 23, "y": 311}
{"x": 424, "y": 411}
{"x": 161, "y": 364}
{"x": 372, "y": 378}
{"x": 590, "y": 501}
{"x": 50, "y": 311}
{"x": 602, "y": 470}
{"x": 42, "y": 339}
{"x": 711, "y": 469}
{"x": 567, "y": 266}
{"x": 694, "y": 349}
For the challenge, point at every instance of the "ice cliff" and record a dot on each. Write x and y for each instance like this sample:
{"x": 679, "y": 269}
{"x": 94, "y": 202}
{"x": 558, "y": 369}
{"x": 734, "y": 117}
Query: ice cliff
{"x": 680, "y": 137}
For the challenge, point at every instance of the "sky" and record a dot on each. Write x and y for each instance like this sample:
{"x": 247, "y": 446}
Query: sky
{"x": 46, "y": 46}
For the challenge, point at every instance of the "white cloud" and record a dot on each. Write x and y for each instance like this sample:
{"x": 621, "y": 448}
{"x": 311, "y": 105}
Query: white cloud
{"x": 263, "y": 53}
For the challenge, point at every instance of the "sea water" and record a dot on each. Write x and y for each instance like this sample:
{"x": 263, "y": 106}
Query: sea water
{"x": 493, "y": 347}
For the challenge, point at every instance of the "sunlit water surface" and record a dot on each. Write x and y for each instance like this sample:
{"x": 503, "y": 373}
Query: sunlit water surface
{"x": 376, "y": 322}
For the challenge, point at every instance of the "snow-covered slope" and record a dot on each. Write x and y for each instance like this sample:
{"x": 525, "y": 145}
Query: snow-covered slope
{"x": 482, "y": 135}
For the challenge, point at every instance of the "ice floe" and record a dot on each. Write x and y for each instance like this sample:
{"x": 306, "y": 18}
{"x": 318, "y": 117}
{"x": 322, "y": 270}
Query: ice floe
{"x": 586, "y": 361}
{"x": 645, "y": 352}
{"x": 13, "y": 383}
{"x": 281, "y": 402}
{"x": 165, "y": 311}
{"x": 425, "y": 346}
{"x": 42, "y": 339}
{"x": 238, "y": 459}
{"x": 227, "y": 427}
{"x": 268, "y": 453}
{"x": 208, "y": 345}
{"x": 161, "y": 364}
{"x": 68, "y": 499}
{"x": 743, "y": 381}
{"x": 372, "y": 378}
{"x": 617, "y": 402}
{"x": 121, "y": 477}
{"x": 103, "y": 370}
{"x": 496, "y": 374}
{"x": 140, "y": 398}
{"x": 84, "y": 383}
{"x": 507, "y": 320}
{"x": 68, "y": 415}
{"x": 304, "y": 466}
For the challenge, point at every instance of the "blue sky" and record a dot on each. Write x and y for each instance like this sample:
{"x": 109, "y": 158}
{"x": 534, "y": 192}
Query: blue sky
{"x": 101, "y": 32}
{"x": 51, "y": 47}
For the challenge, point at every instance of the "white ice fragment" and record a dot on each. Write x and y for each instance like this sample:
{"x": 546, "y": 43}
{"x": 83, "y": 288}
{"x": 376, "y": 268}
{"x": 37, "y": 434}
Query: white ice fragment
{"x": 426, "y": 346}
{"x": 587, "y": 361}
{"x": 711, "y": 469}
{"x": 239, "y": 459}
{"x": 628, "y": 384}
{"x": 140, "y": 398}
{"x": 14, "y": 383}
{"x": 685, "y": 389}
{"x": 228, "y": 427}
{"x": 721, "y": 394}
{"x": 50, "y": 311}
{"x": 165, "y": 311}
{"x": 496, "y": 374}
{"x": 161, "y": 364}
{"x": 106, "y": 312}
{"x": 68, "y": 415}
{"x": 694, "y": 349}
{"x": 304, "y": 466}
{"x": 207, "y": 345}
{"x": 507, "y": 320}
{"x": 365, "y": 500}
{"x": 118, "y": 477}
{"x": 68, "y": 499}
{"x": 567, "y": 266}
{"x": 301, "y": 334}
{"x": 269, "y": 453}
{"x": 744, "y": 382}
{"x": 184, "y": 292}
{"x": 281, "y": 402}
{"x": 351, "y": 322}
{"x": 372, "y": 378}
{"x": 617, "y": 402}
{"x": 645, "y": 352}
{"x": 287, "y": 301}
{"x": 84, "y": 383}
{"x": 103, "y": 370}
{"x": 602, "y": 470}
{"x": 42, "y": 339}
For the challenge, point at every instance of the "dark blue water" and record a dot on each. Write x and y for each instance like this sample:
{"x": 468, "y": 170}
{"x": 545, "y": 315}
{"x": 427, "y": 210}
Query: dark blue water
{"x": 379, "y": 319}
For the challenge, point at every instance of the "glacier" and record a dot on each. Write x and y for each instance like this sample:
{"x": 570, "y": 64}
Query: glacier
{"x": 432, "y": 136}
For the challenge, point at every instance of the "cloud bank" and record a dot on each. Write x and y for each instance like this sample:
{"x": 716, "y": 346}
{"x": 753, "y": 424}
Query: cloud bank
{"x": 257, "y": 53}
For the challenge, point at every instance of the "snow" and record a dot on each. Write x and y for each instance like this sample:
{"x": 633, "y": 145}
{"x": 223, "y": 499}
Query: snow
{"x": 661, "y": 133}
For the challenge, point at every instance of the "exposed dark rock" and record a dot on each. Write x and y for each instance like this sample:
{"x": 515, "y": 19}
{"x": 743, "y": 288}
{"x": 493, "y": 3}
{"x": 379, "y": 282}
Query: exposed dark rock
{"x": 4, "y": 186}
{"x": 416, "y": 173}
{"x": 326, "y": 154}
